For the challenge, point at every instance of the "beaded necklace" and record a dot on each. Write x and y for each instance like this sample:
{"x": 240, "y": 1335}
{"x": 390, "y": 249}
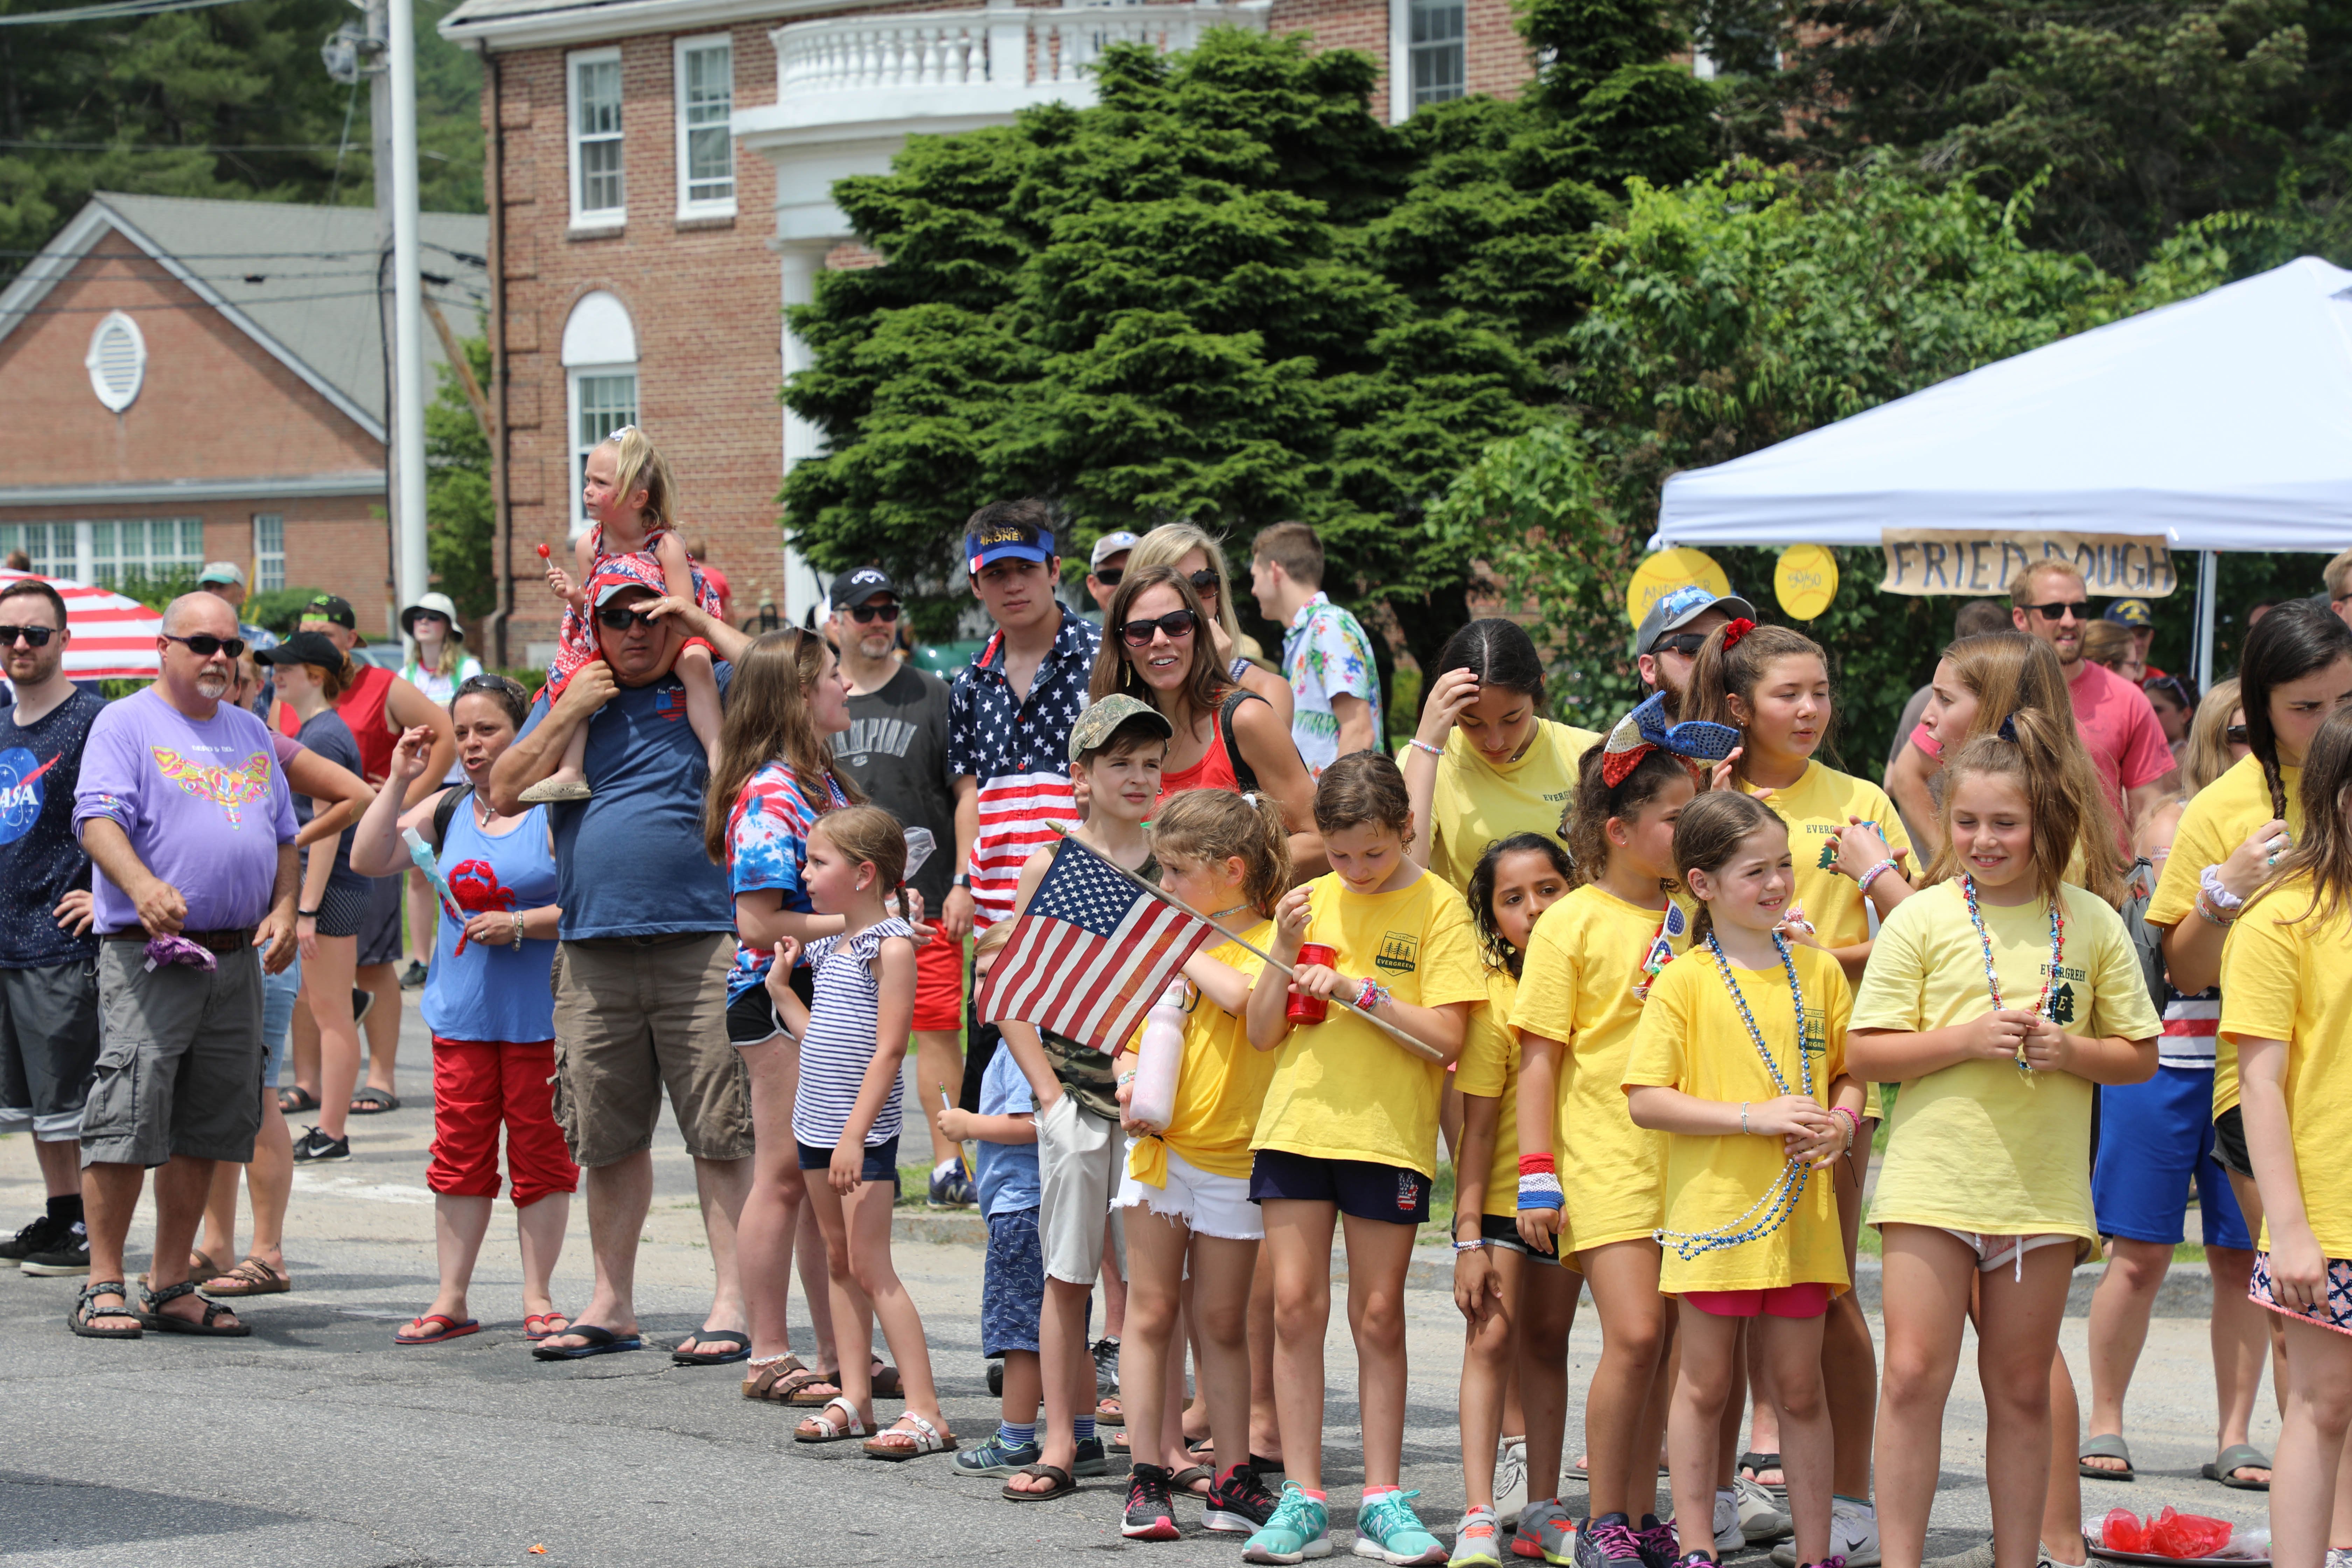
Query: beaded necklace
{"x": 1992, "y": 978}
{"x": 1771, "y": 1212}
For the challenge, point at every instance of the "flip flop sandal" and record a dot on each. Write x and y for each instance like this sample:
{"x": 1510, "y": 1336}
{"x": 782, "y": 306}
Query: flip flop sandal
{"x": 254, "y": 1277}
{"x": 1063, "y": 1485}
{"x": 886, "y": 1383}
{"x": 2233, "y": 1458}
{"x": 1109, "y": 1412}
{"x": 208, "y": 1326}
{"x": 1119, "y": 1442}
{"x": 296, "y": 1100}
{"x": 374, "y": 1102}
{"x": 766, "y": 1383}
{"x": 86, "y": 1311}
{"x": 1753, "y": 1465}
{"x": 2110, "y": 1446}
{"x": 601, "y": 1342}
{"x": 891, "y": 1444}
{"x": 1186, "y": 1479}
{"x": 739, "y": 1348}
{"x": 200, "y": 1267}
{"x": 828, "y": 1430}
{"x": 451, "y": 1329}
{"x": 537, "y": 1326}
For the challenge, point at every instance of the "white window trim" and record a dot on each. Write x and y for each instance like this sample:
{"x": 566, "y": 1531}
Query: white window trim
{"x": 573, "y": 457}
{"x": 262, "y": 557}
{"x": 688, "y": 208}
{"x": 603, "y": 220}
{"x": 1399, "y": 61}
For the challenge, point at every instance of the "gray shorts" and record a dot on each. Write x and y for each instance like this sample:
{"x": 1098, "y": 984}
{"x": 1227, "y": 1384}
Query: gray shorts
{"x": 379, "y": 927}
{"x": 1080, "y": 1158}
{"x": 179, "y": 1060}
{"x": 48, "y": 1047}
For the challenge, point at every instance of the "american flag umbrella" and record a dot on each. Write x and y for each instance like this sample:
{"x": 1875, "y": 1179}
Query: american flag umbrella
{"x": 113, "y": 635}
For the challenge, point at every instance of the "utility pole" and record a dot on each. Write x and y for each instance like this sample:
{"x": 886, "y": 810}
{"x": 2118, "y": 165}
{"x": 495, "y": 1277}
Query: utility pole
{"x": 410, "y": 574}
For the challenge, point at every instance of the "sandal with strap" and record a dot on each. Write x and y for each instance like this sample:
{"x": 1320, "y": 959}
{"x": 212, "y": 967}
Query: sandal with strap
{"x": 254, "y": 1277}
{"x": 86, "y": 1309}
{"x": 895, "y": 1444}
{"x": 828, "y": 1430}
{"x": 208, "y": 1326}
{"x": 763, "y": 1382}
{"x": 200, "y": 1267}
{"x": 295, "y": 1099}
{"x": 2238, "y": 1457}
{"x": 2104, "y": 1446}
{"x": 1063, "y": 1485}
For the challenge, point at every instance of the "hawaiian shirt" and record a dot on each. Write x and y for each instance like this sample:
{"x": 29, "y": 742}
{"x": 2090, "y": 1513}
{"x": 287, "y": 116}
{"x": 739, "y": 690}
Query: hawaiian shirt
{"x": 1326, "y": 654}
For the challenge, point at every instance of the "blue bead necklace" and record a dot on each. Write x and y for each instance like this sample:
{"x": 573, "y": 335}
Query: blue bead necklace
{"x": 1992, "y": 978}
{"x": 1773, "y": 1210}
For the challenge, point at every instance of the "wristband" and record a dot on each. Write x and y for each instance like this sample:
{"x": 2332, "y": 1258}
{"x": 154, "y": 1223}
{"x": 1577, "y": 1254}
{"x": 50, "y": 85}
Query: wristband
{"x": 1472, "y": 1246}
{"x": 1239, "y": 668}
{"x": 1853, "y": 1120}
{"x": 1539, "y": 1190}
{"x": 1418, "y": 744}
{"x": 1864, "y": 881}
{"x": 306, "y": 914}
{"x": 1125, "y": 1079}
{"x": 1743, "y": 1118}
{"x": 1372, "y": 994}
{"x": 518, "y": 933}
{"x": 1532, "y": 1164}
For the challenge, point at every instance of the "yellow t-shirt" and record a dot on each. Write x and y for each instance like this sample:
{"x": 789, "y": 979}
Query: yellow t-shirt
{"x": 2286, "y": 978}
{"x": 1577, "y": 986}
{"x": 1815, "y": 808}
{"x": 1980, "y": 1145}
{"x": 1693, "y": 1038}
{"x": 2217, "y": 819}
{"x": 1489, "y": 1068}
{"x": 1477, "y": 803}
{"x": 1221, "y": 1086}
{"x": 1344, "y": 1088}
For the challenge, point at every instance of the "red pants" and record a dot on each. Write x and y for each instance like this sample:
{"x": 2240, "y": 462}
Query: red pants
{"x": 477, "y": 1084}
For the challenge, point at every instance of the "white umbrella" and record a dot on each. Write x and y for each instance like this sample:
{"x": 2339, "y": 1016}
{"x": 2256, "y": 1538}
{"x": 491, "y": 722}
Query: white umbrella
{"x": 113, "y": 635}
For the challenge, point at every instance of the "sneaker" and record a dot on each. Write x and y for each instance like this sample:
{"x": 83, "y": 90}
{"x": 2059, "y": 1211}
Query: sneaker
{"x": 1608, "y": 1542}
{"x": 69, "y": 1255}
{"x": 1545, "y": 1531}
{"x": 996, "y": 1457}
{"x": 996, "y": 1379}
{"x": 1093, "y": 1458}
{"x": 1727, "y": 1534}
{"x": 315, "y": 1148}
{"x": 1658, "y": 1542}
{"x": 1107, "y": 1365}
{"x": 362, "y": 1002}
{"x": 1474, "y": 1541}
{"x": 1239, "y": 1505}
{"x": 1300, "y": 1528}
{"x": 1150, "y": 1506}
{"x": 1694, "y": 1560}
{"x": 1510, "y": 1481}
{"x": 951, "y": 1189}
{"x": 1761, "y": 1518}
{"x": 412, "y": 977}
{"x": 37, "y": 1236}
{"x": 1388, "y": 1529}
{"x": 1853, "y": 1536}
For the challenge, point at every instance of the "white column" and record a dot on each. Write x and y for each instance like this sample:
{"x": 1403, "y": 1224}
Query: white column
{"x": 802, "y": 591}
{"x": 408, "y": 315}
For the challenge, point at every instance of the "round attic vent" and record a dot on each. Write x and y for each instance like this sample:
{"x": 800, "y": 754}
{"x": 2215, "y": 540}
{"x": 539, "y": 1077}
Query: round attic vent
{"x": 117, "y": 362}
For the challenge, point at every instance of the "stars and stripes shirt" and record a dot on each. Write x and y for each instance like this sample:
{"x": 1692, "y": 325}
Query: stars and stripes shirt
{"x": 2191, "y": 1026}
{"x": 1019, "y": 752}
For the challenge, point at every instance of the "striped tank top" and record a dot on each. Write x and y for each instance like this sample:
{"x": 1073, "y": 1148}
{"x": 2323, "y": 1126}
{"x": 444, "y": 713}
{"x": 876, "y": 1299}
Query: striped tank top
{"x": 839, "y": 1044}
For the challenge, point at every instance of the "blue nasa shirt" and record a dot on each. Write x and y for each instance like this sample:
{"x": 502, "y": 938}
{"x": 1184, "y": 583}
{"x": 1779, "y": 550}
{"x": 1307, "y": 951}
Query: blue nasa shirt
{"x": 41, "y": 861}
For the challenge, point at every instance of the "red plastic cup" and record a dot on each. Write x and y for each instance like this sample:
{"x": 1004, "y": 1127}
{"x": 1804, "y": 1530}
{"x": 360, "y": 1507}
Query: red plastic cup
{"x": 1311, "y": 1009}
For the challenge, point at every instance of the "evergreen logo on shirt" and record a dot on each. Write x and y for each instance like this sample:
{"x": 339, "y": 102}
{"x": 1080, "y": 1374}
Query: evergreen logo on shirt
{"x": 1400, "y": 953}
{"x": 1814, "y": 1038}
{"x": 2062, "y": 1005}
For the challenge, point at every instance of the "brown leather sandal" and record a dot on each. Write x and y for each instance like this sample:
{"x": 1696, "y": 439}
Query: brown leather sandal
{"x": 254, "y": 1277}
{"x": 767, "y": 1383}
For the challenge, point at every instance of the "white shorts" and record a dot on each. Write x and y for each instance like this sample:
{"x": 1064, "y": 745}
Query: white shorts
{"x": 1080, "y": 1158}
{"x": 1992, "y": 1251}
{"x": 1208, "y": 1204}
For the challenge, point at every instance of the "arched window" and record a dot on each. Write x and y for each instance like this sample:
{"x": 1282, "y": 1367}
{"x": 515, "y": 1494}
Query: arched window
{"x": 600, "y": 373}
{"x": 117, "y": 360}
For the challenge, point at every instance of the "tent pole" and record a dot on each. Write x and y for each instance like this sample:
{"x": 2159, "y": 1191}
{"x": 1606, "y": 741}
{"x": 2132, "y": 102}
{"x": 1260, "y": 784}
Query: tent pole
{"x": 2208, "y": 590}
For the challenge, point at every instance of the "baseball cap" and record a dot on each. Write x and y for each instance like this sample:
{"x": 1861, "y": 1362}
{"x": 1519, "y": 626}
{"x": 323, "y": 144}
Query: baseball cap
{"x": 620, "y": 574}
{"x": 303, "y": 648}
{"x": 1101, "y": 720}
{"x": 327, "y": 607}
{"x": 854, "y": 587}
{"x": 2134, "y": 613}
{"x": 1004, "y": 541}
{"x": 1678, "y": 609}
{"x": 1110, "y": 544}
{"x": 221, "y": 572}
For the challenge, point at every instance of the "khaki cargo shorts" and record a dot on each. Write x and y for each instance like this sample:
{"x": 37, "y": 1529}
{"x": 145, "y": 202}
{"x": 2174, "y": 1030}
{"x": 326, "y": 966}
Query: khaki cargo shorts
{"x": 634, "y": 1015}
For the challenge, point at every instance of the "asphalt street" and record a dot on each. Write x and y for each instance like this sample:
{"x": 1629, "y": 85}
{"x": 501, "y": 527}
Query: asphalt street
{"x": 318, "y": 1443}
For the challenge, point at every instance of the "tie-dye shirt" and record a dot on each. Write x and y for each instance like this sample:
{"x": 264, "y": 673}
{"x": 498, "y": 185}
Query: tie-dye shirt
{"x": 202, "y": 801}
{"x": 767, "y": 845}
{"x": 1326, "y": 654}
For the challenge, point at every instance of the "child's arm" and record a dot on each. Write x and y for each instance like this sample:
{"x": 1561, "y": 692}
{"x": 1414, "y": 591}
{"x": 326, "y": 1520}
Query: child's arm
{"x": 1793, "y": 1118}
{"x": 1894, "y": 1056}
{"x": 1477, "y": 1291}
{"x": 894, "y": 977}
{"x": 1269, "y": 997}
{"x": 2298, "y": 1265}
{"x": 1844, "y": 1092}
{"x": 791, "y": 1011}
{"x": 573, "y": 594}
{"x": 1219, "y": 981}
{"x": 966, "y": 1127}
{"x": 2114, "y": 1059}
{"x": 762, "y": 920}
{"x": 678, "y": 567}
{"x": 1442, "y": 1028}
{"x": 1540, "y": 1061}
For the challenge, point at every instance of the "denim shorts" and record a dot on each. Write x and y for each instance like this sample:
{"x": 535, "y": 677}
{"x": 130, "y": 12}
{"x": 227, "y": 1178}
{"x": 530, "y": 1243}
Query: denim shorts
{"x": 1013, "y": 1283}
{"x": 881, "y": 1161}
{"x": 278, "y": 994}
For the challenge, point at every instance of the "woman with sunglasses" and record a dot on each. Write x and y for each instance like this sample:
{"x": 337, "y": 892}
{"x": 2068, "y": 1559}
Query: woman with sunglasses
{"x": 1155, "y": 648}
{"x": 1202, "y": 561}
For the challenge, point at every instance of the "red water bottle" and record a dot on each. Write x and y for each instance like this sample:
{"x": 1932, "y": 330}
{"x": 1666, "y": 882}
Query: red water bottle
{"x": 1303, "y": 1009}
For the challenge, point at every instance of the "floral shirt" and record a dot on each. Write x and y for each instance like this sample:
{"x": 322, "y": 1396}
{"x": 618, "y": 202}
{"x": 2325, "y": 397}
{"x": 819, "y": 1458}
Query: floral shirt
{"x": 767, "y": 844}
{"x": 1326, "y": 654}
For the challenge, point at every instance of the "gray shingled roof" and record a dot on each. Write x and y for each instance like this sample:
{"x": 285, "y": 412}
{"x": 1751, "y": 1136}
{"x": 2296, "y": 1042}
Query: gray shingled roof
{"x": 316, "y": 267}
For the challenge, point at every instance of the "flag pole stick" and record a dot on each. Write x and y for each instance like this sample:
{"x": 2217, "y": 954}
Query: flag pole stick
{"x": 1427, "y": 1052}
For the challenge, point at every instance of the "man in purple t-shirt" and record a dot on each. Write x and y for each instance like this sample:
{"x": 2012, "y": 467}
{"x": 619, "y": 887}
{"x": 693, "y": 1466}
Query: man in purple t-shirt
{"x": 187, "y": 819}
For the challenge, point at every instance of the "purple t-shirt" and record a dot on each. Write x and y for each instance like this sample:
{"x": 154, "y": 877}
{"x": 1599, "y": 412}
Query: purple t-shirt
{"x": 204, "y": 805}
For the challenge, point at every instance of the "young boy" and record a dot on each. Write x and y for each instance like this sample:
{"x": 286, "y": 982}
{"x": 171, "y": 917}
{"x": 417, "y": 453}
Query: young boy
{"x": 1117, "y": 747}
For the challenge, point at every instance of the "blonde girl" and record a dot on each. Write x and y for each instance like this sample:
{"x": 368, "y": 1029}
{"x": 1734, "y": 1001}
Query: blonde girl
{"x": 1740, "y": 1058}
{"x": 1512, "y": 884}
{"x": 2288, "y": 1010}
{"x": 1348, "y": 1139}
{"x": 1198, "y": 557}
{"x": 1998, "y": 998}
{"x": 1186, "y": 1190}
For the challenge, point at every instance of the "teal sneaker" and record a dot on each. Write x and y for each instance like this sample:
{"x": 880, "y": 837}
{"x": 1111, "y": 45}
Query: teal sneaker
{"x": 1474, "y": 1541}
{"x": 1388, "y": 1529}
{"x": 1300, "y": 1529}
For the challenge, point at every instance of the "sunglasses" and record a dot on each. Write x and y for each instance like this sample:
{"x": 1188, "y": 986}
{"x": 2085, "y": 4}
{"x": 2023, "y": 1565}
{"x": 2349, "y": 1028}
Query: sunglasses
{"x": 2235, "y": 734}
{"x": 2080, "y": 609}
{"x": 864, "y": 615}
{"x": 36, "y": 636}
{"x": 203, "y": 645}
{"x": 620, "y": 618}
{"x": 498, "y": 683}
{"x": 2168, "y": 683}
{"x": 1204, "y": 582}
{"x": 1686, "y": 644}
{"x": 1177, "y": 624}
{"x": 1108, "y": 577}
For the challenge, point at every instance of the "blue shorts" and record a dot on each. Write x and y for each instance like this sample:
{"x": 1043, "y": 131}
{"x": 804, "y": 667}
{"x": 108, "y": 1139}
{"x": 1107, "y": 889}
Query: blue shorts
{"x": 881, "y": 1161}
{"x": 1011, "y": 1284}
{"x": 2154, "y": 1139}
{"x": 1361, "y": 1188}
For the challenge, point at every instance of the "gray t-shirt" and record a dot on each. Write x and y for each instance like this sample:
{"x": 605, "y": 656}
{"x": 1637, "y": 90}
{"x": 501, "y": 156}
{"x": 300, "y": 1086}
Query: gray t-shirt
{"x": 897, "y": 749}
{"x": 1912, "y": 710}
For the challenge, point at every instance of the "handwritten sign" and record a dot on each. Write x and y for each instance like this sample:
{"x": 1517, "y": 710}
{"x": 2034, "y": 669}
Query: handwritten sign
{"x": 1805, "y": 581}
{"x": 1980, "y": 565}
{"x": 1660, "y": 573}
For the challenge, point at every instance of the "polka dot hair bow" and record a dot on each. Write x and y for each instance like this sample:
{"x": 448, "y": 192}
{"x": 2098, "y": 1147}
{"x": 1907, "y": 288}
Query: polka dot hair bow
{"x": 1646, "y": 729}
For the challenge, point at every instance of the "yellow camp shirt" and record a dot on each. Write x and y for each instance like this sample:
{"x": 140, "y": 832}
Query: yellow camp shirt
{"x": 2286, "y": 978}
{"x": 1489, "y": 1068}
{"x": 1477, "y": 803}
{"x": 1221, "y": 1086}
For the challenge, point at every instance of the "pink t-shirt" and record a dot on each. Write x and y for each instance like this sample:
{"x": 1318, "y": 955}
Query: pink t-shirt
{"x": 2118, "y": 728}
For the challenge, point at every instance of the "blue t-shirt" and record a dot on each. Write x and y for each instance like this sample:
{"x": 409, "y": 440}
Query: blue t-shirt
{"x": 629, "y": 860}
{"x": 327, "y": 734}
{"x": 1007, "y": 1171}
{"x": 41, "y": 857}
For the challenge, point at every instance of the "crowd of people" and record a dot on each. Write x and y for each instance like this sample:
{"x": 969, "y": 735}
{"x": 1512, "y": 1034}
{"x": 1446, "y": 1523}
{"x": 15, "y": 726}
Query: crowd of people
{"x": 1649, "y": 991}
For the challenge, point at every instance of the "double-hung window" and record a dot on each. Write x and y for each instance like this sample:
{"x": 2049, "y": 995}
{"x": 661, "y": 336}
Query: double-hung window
{"x": 1438, "y": 50}
{"x": 598, "y": 197}
{"x": 706, "y": 152}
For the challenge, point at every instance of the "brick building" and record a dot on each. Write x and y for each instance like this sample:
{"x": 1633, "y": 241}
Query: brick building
{"x": 660, "y": 180}
{"x": 207, "y": 380}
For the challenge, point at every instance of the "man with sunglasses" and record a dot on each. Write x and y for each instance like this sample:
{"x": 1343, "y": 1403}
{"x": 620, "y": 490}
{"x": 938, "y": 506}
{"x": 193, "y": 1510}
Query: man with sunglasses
{"x": 1104, "y": 565}
{"x": 897, "y": 749}
{"x": 48, "y": 959}
{"x": 186, "y": 814}
{"x": 1667, "y": 644}
{"x": 2049, "y": 602}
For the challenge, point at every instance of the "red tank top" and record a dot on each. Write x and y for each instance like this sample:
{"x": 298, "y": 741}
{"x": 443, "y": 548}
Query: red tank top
{"x": 362, "y": 708}
{"x": 1215, "y": 769}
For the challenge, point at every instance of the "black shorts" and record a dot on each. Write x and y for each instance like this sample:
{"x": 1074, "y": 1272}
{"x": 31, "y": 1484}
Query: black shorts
{"x": 881, "y": 1161}
{"x": 752, "y": 1017}
{"x": 1504, "y": 1232}
{"x": 342, "y": 909}
{"x": 2230, "y": 1144}
{"x": 379, "y": 927}
{"x": 1362, "y": 1188}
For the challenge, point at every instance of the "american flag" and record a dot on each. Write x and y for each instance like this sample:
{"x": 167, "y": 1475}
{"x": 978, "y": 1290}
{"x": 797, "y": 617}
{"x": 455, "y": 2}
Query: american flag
{"x": 1090, "y": 954}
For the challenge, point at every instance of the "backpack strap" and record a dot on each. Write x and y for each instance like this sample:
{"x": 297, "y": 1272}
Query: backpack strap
{"x": 1244, "y": 777}
{"x": 444, "y": 811}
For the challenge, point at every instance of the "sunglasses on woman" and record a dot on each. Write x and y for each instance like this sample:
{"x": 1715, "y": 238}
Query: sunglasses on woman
{"x": 1177, "y": 624}
{"x": 203, "y": 645}
{"x": 2235, "y": 734}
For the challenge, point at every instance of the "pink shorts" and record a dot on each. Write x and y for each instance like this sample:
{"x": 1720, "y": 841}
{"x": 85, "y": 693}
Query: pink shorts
{"x": 1809, "y": 1300}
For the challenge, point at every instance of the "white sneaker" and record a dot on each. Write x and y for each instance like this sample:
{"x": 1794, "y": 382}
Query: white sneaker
{"x": 1727, "y": 1534}
{"x": 1853, "y": 1535}
{"x": 1761, "y": 1519}
{"x": 1510, "y": 1480}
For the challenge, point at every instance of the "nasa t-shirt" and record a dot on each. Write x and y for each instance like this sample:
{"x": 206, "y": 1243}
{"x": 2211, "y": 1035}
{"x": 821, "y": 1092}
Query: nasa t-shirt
{"x": 41, "y": 861}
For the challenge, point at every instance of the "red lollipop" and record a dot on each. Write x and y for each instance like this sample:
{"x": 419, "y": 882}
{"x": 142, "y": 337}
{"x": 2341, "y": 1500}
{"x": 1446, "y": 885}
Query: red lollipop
{"x": 542, "y": 551}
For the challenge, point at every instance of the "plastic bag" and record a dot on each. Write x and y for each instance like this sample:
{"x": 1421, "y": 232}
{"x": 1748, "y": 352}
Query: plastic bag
{"x": 2184, "y": 1535}
{"x": 2122, "y": 1532}
{"x": 2248, "y": 1541}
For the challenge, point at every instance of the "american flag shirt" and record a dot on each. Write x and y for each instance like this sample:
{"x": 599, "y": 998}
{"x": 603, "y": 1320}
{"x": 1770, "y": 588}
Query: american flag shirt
{"x": 1020, "y": 753}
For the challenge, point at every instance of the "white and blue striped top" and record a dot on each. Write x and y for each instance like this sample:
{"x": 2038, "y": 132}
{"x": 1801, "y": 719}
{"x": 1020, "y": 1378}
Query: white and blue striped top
{"x": 839, "y": 1044}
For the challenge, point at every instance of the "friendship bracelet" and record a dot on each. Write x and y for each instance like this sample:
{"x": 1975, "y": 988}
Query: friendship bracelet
{"x": 1125, "y": 1079}
{"x": 1373, "y": 995}
{"x": 1418, "y": 744}
{"x": 1863, "y": 882}
{"x": 1852, "y": 1119}
{"x": 1472, "y": 1246}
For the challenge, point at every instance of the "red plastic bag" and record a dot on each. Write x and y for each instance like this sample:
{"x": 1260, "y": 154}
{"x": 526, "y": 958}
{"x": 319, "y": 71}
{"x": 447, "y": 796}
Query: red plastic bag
{"x": 2122, "y": 1532}
{"x": 2186, "y": 1535}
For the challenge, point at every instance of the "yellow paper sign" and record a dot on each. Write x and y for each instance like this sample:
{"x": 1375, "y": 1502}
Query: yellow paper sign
{"x": 1805, "y": 581}
{"x": 1980, "y": 565}
{"x": 1662, "y": 572}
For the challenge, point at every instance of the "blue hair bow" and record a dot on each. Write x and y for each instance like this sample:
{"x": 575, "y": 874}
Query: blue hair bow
{"x": 1646, "y": 729}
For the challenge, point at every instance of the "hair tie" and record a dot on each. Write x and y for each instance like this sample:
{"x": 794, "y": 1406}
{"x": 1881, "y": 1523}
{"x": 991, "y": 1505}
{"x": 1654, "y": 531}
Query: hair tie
{"x": 2008, "y": 731}
{"x": 1250, "y": 798}
{"x": 1740, "y": 627}
{"x": 1646, "y": 729}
